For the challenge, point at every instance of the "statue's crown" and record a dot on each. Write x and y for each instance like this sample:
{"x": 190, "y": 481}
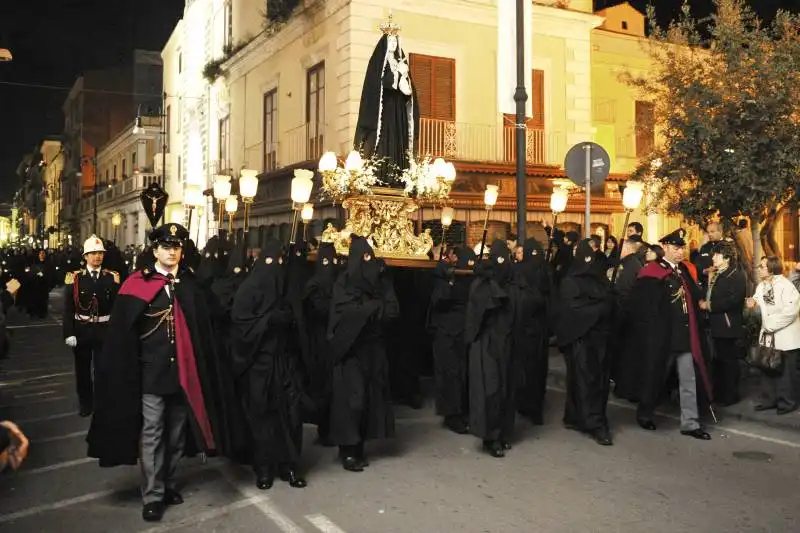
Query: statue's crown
{"x": 389, "y": 27}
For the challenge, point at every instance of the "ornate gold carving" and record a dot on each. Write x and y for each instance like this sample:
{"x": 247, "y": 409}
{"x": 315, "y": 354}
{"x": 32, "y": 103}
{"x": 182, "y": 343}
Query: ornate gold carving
{"x": 383, "y": 218}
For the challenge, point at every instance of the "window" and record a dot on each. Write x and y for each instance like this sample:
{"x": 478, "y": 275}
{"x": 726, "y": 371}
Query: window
{"x": 134, "y": 161}
{"x": 624, "y": 25}
{"x": 270, "y": 136}
{"x": 227, "y": 18}
{"x": 124, "y": 167}
{"x": 315, "y": 110}
{"x": 107, "y": 180}
{"x": 435, "y": 83}
{"x": 224, "y": 142}
{"x": 115, "y": 172}
{"x": 180, "y": 62}
{"x": 169, "y": 124}
{"x": 535, "y": 135}
{"x": 645, "y": 131}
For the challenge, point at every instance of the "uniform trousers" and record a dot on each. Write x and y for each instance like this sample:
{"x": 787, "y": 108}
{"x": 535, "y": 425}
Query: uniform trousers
{"x": 88, "y": 346}
{"x": 687, "y": 389}
{"x": 165, "y": 419}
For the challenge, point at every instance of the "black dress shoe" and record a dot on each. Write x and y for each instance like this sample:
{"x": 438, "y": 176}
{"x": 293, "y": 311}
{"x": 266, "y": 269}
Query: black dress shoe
{"x": 698, "y": 433}
{"x": 646, "y": 423}
{"x": 85, "y": 411}
{"x": 352, "y": 464}
{"x": 494, "y": 448}
{"x": 173, "y": 497}
{"x": 602, "y": 437}
{"x": 153, "y": 512}
{"x": 506, "y": 445}
{"x": 291, "y": 477}
{"x": 456, "y": 424}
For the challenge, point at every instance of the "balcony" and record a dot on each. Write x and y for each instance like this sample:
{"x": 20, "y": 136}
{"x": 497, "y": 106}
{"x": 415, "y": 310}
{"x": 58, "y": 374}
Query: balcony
{"x": 125, "y": 190}
{"x": 303, "y": 143}
{"x": 486, "y": 143}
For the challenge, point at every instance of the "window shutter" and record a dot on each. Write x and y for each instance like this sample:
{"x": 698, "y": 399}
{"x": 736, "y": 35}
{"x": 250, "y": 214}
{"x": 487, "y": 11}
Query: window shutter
{"x": 537, "y": 100}
{"x": 422, "y": 76}
{"x": 645, "y": 131}
{"x": 435, "y": 82}
{"x": 444, "y": 89}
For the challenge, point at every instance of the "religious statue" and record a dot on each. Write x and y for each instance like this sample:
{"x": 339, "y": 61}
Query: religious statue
{"x": 388, "y": 116}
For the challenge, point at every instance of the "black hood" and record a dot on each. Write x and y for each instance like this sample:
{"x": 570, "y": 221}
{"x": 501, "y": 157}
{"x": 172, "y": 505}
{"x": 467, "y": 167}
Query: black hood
{"x": 363, "y": 268}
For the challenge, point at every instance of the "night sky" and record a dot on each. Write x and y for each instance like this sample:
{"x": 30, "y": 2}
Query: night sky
{"x": 54, "y": 42}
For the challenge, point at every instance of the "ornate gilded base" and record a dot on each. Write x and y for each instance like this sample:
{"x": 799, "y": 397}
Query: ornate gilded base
{"x": 382, "y": 217}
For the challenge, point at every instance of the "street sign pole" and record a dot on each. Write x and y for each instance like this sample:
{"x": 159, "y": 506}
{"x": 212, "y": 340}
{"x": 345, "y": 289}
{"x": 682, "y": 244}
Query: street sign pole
{"x": 587, "y": 232}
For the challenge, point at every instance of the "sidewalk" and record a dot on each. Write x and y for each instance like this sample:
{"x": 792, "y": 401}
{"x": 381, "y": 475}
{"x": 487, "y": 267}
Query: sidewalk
{"x": 741, "y": 411}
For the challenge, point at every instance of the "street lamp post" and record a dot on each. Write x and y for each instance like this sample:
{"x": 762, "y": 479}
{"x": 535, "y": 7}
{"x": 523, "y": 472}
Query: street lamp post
{"x": 302, "y": 183}
{"x": 192, "y": 197}
{"x": 231, "y": 205}
{"x": 306, "y": 215}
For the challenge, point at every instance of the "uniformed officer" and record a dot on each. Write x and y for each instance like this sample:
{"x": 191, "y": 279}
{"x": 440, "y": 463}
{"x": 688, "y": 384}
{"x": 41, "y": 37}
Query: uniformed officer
{"x": 88, "y": 299}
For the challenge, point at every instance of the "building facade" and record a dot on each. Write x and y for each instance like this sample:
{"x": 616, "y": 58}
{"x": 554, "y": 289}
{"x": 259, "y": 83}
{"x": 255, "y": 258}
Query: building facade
{"x": 52, "y": 151}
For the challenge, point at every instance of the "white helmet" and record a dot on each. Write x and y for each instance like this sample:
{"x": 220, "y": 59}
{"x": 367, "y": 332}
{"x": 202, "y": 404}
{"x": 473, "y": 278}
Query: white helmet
{"x": 93, "y": 244}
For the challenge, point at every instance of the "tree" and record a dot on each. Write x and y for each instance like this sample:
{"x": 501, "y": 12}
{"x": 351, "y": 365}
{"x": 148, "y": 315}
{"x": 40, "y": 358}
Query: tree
{"x": 725, "y": 91}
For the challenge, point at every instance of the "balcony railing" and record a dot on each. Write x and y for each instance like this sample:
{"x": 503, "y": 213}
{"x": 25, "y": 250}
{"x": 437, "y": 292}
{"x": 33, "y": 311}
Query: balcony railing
{"x": 485, "y": 143}
{"x": 132, "y": 185}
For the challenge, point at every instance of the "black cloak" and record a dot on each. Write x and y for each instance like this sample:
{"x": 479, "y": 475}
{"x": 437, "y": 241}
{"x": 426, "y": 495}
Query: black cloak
{"x": 363, "y": 302}
{"x": 496, "y": 300}
{"x": 114, "y": 435}
{"x": 265, "y": 369}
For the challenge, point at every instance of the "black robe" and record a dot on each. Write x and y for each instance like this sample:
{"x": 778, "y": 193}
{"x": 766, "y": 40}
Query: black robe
{"x": 535, "y": 343}
{"x": 317, "y": 306}
{"x": 446, "y": 321}
{"x": 263, "y": 364}
{"x": 496, "y": 300}
{"x": 114, "y": 435}
{"x": 363, "y": 302}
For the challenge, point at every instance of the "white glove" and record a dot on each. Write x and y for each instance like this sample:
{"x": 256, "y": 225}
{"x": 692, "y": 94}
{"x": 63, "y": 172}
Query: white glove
{"x": 71, "y": 341}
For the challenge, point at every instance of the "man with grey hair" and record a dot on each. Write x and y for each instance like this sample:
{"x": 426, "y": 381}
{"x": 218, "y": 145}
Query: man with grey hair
{"x": 704, "y": 262}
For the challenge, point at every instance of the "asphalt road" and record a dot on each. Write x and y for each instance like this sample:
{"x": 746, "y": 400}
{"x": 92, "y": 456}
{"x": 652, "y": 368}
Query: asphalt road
{"x": 427, "y": 480}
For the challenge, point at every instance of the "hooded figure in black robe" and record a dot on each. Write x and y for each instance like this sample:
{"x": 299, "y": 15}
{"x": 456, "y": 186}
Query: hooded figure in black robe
{"x": 262, "y": 322}
{"x": 363, "y": 302}
{"x": 298, "y": 271}
{"x": 114, "y": 260}
{"x": 496, "y": 300}
{"x": 585, "y": 307}
{"x": 388, "y": 116}
{"x": 446, "y": 319}
{"x": 317, "y": 306}
{"x": 534, "y": 318}
{"x": 212, "y": 264}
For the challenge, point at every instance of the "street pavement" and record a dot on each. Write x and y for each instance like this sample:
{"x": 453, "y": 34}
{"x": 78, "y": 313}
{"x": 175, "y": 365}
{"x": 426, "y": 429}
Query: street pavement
{"x": 426, "y": 480}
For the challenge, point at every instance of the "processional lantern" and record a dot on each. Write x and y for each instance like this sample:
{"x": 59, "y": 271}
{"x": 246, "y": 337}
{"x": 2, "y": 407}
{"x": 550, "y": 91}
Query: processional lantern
{"x": 248, "y": 188}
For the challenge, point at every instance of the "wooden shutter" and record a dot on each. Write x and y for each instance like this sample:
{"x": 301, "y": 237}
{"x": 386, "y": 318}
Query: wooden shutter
{"x": 645, "y": 128}
{"x": 537, "y": 100}
{"x": 435, "y": 82}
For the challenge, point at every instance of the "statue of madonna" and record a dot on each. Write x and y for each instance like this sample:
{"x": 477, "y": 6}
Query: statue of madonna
{"x": 388, "y": 117}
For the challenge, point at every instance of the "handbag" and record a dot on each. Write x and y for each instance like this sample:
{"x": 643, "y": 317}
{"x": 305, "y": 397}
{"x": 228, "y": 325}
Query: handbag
{"x": 765, "y": 356}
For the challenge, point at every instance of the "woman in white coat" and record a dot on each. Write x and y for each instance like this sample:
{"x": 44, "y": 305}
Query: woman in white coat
{"x": 778, "y": 302}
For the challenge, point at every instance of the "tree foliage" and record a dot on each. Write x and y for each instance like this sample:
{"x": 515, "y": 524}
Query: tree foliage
{"x": 726, "y": 94}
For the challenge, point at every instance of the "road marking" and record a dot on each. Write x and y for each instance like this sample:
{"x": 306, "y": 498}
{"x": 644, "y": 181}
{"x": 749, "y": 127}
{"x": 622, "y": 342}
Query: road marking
{"x": 263, "y": 504}
{"x": 197, "y": 519}
{"x": 33, "y": 369}
{"x": 59, "y": 437}
{"x": 24, "y": 381}
{"x": 53, "y": 506}
{"x": 26, "y": 404}
{"x": 720, "y": 427}
{"x": 26, "y": 326}
{"x": 22, "y": 421}
{"x": 324, "y": 524}
{"x": 57, "y": 466}
{"x": 33, "y": 394}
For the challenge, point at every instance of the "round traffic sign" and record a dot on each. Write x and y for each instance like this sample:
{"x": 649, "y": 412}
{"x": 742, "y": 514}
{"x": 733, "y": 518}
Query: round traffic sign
{"x": 599, "y": 163}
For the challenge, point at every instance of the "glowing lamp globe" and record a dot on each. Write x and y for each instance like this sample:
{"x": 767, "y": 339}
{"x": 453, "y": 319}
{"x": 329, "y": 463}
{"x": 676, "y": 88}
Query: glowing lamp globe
{"x": 116, "y": 219}
{"x": 248, "y": 184}
{"x": 328, "y": 162}
{"x": 439, "y": 167}
{"x": 490, "y": 195}
{"x": 231, "y": 204}
{"x": 222, "y": 187}
{"x": 558, "y": 200}
{"x": 447, "y": 216}
{"x": 449, "y": 173}
{"x": 632, "y": 196}
{"x": 302, "y": 183}
{"x": 307, "y": 213}
{"x": 354, "y": 163}
{"x": 192, "y": 195}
